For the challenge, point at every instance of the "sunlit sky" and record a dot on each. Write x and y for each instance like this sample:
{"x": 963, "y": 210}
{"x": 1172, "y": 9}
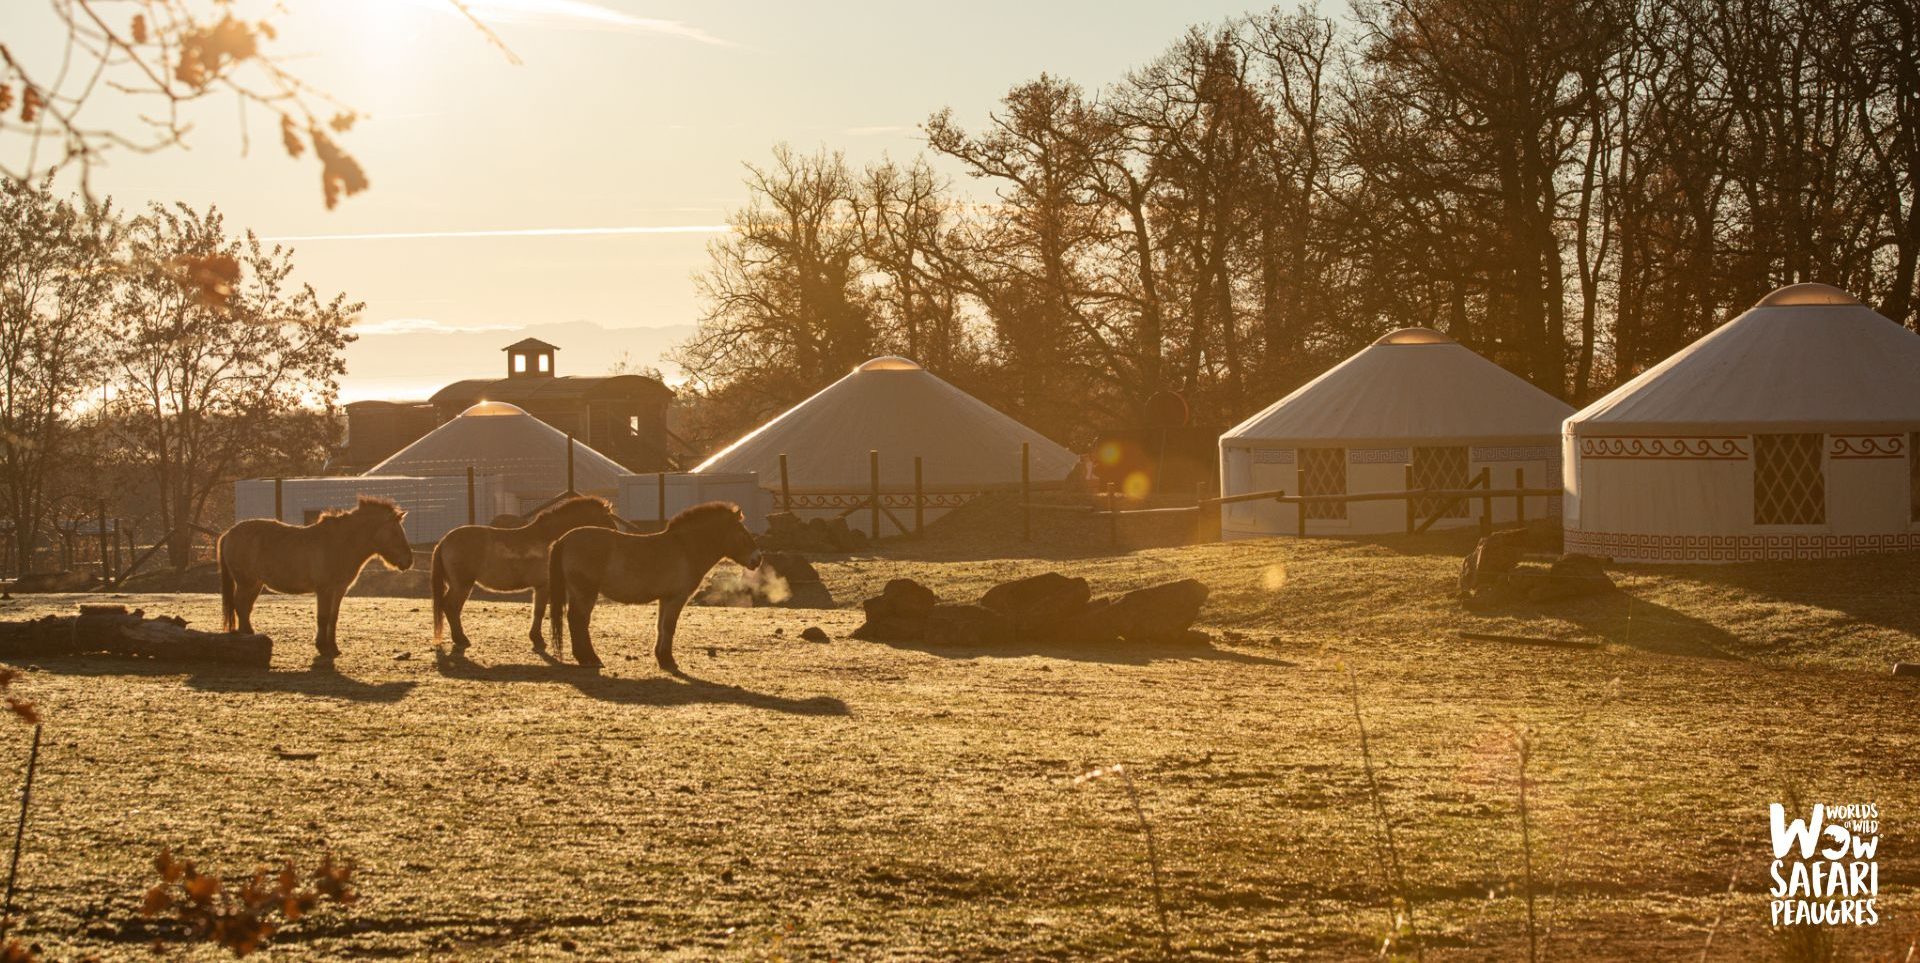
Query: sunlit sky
{"x": 584, "y": 184}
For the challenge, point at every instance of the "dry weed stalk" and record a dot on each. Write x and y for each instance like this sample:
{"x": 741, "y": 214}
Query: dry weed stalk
{"x": 1153, "y": 849}
{"x": 1400, "y": 913}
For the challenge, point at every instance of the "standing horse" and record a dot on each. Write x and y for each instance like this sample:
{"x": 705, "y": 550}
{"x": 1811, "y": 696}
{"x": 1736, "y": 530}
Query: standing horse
{"x": 507, "y": 559}
{"x": 667, "y": 567}
{"x": 324, "y": 558}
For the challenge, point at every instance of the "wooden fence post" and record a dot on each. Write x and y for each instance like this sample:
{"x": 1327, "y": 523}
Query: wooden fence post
{"x": 1026, "y": 492}
{"x": 277, "y": 486}
{"x": 786, "y": 494}
{"x": 1113, "y": 515}
{"x": 473, "y": 505}
{"x": 1519, "y": 496}
{"x": 1486, "y": 501}
{"x": 919, "y": 499}
{"x": 106, "y": 574}
{"x": 1412, "y": 509}
{"x": 873, "y": 501}
{"x": 118, "y": 575}
{"x": 1200, "y": 512}
{"x": 660, "y": 499}
{"x": 570, "y": 488}
{"x": 1300, "y": 508}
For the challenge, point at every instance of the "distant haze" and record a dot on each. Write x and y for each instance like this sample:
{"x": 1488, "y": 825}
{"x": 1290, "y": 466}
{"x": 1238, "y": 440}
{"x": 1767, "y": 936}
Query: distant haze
{"x": 405, "y": 359}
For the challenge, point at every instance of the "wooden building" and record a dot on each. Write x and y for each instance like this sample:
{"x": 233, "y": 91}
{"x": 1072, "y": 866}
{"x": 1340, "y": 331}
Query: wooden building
{"x": 621, "y": 416}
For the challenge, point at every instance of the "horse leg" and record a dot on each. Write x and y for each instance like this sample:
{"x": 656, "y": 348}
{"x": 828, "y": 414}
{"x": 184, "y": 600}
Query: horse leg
{"x": 327, "y": 610}
{"x": 580, "y": 600}
{"x": 245, "y": 593}
{"x": 669, "y": 621}
{"x": 455, "y": 602}
{"x": 539, "y": 615}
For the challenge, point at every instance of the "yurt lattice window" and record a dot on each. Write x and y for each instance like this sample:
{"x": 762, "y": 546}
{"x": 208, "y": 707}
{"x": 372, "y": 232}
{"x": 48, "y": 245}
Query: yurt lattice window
{"x": 1789, "y": 486}
{"x": 1440, "y": 467}
{"x": 1323, "y": 471}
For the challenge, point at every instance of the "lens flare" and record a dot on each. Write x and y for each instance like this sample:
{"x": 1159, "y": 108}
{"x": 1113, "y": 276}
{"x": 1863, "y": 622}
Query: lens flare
{"x": 1108, "y": 453}
{"x": 1274, "y": 577}
{"x": 1137, "y": 485}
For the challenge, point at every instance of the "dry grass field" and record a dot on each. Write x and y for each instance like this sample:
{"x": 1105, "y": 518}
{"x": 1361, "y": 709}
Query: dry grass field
{"x": 853, "y": 800}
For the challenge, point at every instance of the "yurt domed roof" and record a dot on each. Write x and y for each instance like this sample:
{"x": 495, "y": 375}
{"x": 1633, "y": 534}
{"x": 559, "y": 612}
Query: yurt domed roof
{"x": 894, "y": 406}
{"x": 1414, "y": 385}
{"x": 496, "y": 438}
{"x": 1807, "y": 356}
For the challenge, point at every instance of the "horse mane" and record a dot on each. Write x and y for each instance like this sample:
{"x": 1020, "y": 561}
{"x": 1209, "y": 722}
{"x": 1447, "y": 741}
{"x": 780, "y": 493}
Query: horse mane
{"x": 704, "y": 513}
{"x": 570, "y": 504}
{"x": 369, "y": 506}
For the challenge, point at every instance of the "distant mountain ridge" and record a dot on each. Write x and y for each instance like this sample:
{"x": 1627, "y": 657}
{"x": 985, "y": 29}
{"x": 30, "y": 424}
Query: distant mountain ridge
{"x": 400, "y": 361}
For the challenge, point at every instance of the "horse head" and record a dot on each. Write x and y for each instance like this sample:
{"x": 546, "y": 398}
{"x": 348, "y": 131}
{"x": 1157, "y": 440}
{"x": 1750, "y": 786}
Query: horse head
{"x": 723, "y": 526}
{"x": 388, "y": 537}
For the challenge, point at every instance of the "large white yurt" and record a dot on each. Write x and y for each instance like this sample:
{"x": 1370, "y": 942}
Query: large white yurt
{"x": 1788, "y": 432}
{"x": 528, "y": 455}
{"x": 1413, "y": 399}
{"x": 893, "y": 406}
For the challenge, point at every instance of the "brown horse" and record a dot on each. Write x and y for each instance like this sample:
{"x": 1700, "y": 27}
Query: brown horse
{"x": 324, "y": 558}
{"x": 667, "y": 567}
{"x": 507, "y": 559}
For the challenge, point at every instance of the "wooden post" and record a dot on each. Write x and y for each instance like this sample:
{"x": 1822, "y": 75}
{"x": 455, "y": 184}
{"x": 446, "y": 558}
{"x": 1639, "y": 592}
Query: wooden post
{"x": 1486, "y": 501}
{"x": 660, "y": 507}
{"x": 106, "y": 573}
{"x": 919, "y": 500}
{"x": 1200, "y": 512}
{"x": 570, "y": 489}
{"x": 118, "y": 576}
{"x": 786, "y": 494}
{"x": 278, "y": 515}
{"x": 873, "y": 492}
{"x": 1412, "y": 509}
{"x": 1026, "y": 492}
{"x": 473, "y": 507}
{"x": 1113, "y": 515}
{"x": 1300, "y": 508}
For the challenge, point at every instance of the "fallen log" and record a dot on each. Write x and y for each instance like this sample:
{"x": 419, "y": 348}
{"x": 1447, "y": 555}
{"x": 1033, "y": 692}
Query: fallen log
{"x": 112, "y": 630}
{"x": 1906, "y": 668}
{"x": 1529, "y": 640}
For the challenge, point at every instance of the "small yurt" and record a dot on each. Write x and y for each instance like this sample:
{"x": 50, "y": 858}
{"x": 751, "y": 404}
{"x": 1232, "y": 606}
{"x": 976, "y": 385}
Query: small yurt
{"x": 1788, "y": 432}
{"x": 528, "y": 455}
{"x": 1414, "y": 401}
{"x": 893, "y": 406}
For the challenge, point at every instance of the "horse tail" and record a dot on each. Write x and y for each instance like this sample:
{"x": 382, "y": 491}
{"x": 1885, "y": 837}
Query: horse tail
{"x": 557, "y": 587}
{"x": 438, "y": 588}
{"x": 229, "y": 615}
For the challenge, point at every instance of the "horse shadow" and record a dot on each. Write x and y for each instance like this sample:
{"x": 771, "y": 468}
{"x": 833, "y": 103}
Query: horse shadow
{"x": 320, "y": 680}
{"x": 675, "y": 689}
{"x": 1110, "y": 653}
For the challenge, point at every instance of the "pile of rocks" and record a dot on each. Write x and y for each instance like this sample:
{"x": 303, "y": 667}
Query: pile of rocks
{"x": 1493, "y": 572}
{"x": 788, "y": 531}
{"x": 1050, "y": 607}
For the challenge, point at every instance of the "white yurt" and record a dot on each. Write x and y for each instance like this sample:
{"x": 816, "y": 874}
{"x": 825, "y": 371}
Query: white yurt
{"x": 893, "y": 406}
{"x": 1788, "y": 432}
{"x": 1413, "y": 399}
{"x": 528, "y": 455}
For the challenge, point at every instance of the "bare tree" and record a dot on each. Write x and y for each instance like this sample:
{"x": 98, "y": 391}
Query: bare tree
{"x": 220, "y": 366}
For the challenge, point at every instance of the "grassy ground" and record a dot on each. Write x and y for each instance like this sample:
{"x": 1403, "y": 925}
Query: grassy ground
{"x": 855, "y": 800}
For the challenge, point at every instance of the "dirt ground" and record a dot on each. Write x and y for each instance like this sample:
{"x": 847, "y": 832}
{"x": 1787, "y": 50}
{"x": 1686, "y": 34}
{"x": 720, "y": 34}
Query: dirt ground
{"x": 853, "y": 800}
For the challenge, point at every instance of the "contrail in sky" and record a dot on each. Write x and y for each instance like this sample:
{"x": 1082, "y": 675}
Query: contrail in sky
{"x": 512, "y": 232}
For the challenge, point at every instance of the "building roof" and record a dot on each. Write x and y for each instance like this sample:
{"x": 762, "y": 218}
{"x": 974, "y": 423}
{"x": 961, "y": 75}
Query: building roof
{"x": 531, "y": 344}
{"x": 1414, "y": 385}
{"x": 533, "y": 391}
{"x": 1807, "y": 356}
{"x": 894, "y": 406}
{"x": 497, "y": 438}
